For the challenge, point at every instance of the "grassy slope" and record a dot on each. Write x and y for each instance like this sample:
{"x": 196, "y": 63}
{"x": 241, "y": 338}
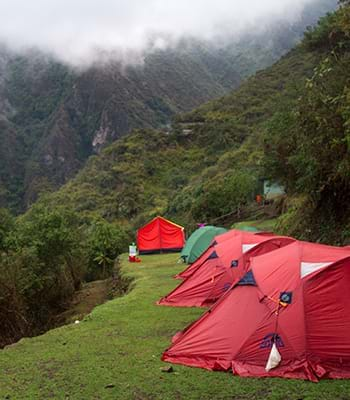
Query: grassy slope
{"x": 121, "y": 342}
{"x": 263, "y": 225}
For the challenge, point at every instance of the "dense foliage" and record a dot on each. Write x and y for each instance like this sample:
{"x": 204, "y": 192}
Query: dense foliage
{"x": 6, "y": 224}
{"x": 308, "y": 147}
{"x": 104, "y": 243}
{"x": 207, "y": 165}
{"x": 288, "y": 123}
{"x": 45, "y": 256}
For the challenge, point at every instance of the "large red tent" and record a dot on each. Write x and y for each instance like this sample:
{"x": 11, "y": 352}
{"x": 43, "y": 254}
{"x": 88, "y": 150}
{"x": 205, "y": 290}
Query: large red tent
{"x": 295, "y": 300}
{"x": 186, "y": 273}
{"x": 160, "y": 235}
{"x": 226, "y": 264}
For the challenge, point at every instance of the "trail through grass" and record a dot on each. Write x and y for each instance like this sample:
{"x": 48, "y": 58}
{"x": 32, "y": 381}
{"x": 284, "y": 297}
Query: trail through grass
{"x": 114, "y": 353}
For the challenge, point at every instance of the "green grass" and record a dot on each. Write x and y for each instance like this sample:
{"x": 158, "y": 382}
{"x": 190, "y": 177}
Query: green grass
{"x": 263, "y": 225}
{"x": 121, "y": 342}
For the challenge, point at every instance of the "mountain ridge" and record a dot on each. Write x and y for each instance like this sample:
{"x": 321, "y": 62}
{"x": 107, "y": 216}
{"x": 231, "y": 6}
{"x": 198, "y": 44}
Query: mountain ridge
{"x": 288, "y": 123}
{"x": 58, "y": 117}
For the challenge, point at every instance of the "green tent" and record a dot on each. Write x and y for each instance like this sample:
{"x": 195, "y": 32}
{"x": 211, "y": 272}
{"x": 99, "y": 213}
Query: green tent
{"x": 199, "y": 241}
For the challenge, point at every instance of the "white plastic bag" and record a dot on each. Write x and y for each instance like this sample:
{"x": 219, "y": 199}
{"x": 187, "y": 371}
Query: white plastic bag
{"x": 274, "y": 359}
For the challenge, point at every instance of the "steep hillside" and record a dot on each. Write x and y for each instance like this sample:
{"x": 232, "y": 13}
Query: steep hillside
{"x": 59, "y": 117}
{"x": 173, "y": 170}
{"x": 11, "y": 165}
{"x": 307, "y": 148}
{"x": 54, "y": 118}
{"x": 288, "y": 123}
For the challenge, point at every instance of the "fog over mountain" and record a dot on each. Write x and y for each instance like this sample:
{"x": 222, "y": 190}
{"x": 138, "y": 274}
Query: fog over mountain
{"x": 80, "y": 31}
{"x": 139, "y": 64}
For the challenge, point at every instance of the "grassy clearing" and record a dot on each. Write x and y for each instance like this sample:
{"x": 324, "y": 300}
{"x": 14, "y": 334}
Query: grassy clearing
{"x": 262, "y": 225}
{"x": 120, "y": 344}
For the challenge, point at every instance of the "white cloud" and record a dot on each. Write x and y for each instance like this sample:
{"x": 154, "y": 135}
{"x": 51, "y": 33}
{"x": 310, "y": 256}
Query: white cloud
{"x": 74, "y": 29}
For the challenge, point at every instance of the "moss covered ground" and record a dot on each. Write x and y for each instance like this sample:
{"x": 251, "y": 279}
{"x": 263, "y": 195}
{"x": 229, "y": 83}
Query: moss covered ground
{"x": 114, "y": 353}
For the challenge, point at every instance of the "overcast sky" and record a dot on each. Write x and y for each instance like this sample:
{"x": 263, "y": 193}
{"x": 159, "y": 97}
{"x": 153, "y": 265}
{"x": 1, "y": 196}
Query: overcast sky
{"x": 74, "y": 29}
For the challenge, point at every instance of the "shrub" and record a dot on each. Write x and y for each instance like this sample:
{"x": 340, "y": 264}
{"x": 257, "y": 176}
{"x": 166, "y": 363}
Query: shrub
{"x": 224, "y": 195}
{"x": 6, "y": 224}
{"x": 105, "y": 242}
{"x": 42, "y": 264}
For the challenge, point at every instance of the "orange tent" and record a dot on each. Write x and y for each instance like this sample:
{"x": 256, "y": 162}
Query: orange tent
{"x": 160, "y": 235}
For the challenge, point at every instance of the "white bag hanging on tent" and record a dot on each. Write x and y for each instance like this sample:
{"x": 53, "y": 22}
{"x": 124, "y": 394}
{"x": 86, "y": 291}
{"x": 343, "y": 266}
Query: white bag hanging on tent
{"x": 274, "y": 359}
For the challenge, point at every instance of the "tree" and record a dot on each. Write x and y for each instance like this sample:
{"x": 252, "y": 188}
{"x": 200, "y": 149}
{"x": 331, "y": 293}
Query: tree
{"x": 308, "y": 148}
{"x": 6, "y": 224}
{"x": 225, "y": 195}
{"x": 105, "y": 242}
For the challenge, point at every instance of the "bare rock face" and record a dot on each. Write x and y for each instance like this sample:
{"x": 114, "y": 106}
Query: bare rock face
{"x": 100, "y": 138}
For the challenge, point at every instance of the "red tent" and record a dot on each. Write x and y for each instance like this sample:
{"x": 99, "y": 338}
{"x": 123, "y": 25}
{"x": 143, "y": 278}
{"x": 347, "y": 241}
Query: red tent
{"x": 226, "y": 264}
{"x": 217, "y": 240}
{"x": 293, "y": 304}
{"x": 160, "y": 235}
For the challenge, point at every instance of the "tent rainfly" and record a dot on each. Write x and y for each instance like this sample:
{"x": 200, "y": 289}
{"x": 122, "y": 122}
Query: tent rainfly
{"x": 226, "y": 265}
{"x": 160, "y": 235}
{"x": 216, "y": 240}
{"x": 199, "y": 241}
{"x": 287, "y": 317}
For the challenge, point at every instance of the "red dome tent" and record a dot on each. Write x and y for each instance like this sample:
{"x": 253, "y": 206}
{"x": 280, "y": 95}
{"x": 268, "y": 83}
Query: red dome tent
{"x": 295, "y": 300}
{"x": 160, "y": 235}
{"x": 217, "y": 240}
{"x": 226, "y": 264}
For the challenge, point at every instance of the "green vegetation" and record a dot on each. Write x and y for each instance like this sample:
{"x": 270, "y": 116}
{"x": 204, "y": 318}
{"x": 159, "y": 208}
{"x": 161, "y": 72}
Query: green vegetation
{"x": 208, "y": 165}
{"x": 221, "y": 195}
{"x": 307, "y": 147}
{"x": 45, "y": 256}
{"x": 54, "y": 117}
{"x": 114, "y": 353}
{"x": 57, "y": 117}
{"x": 132, "y": 179}
{"x": 268, "y": 225}
{"x": 104, "y": 243}
{"x": 6, "y": 224}
{"x": 41, "y": 264}
{"x": 288, "y": 123}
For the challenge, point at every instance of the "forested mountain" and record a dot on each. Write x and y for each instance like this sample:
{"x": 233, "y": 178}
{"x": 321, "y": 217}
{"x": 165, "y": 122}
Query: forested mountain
{"x": 184, "y": 171}
{"x": 53, "y": 117}
{"x": 288, "y": 123}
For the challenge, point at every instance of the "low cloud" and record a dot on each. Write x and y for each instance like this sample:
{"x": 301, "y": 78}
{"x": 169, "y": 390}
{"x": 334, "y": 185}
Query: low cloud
{"x": 81, "y": 30}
